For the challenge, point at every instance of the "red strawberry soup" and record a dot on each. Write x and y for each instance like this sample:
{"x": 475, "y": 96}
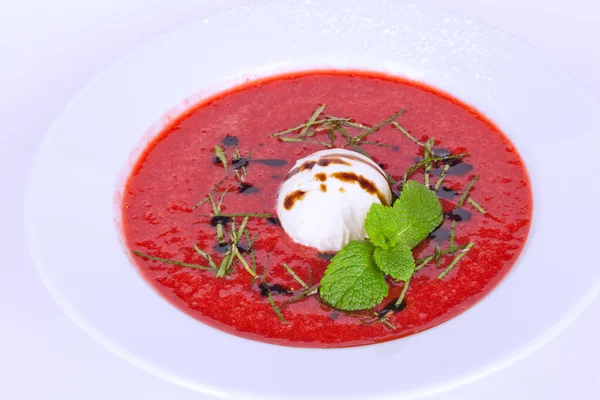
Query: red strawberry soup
{"x": 200, "y": 209}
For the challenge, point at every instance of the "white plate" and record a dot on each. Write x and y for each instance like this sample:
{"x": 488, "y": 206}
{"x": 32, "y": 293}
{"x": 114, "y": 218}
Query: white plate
{"x": 80, "y": 164}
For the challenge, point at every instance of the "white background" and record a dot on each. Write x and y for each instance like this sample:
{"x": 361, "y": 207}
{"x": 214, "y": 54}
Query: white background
{"x": 49, "y": 50}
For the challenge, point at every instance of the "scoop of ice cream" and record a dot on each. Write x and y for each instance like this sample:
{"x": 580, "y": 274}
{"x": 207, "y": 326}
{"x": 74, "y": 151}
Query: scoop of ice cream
{"x": 326, "y": 196}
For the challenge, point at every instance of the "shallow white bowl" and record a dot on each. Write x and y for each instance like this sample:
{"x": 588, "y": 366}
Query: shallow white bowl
{"x": 75, "y": 242}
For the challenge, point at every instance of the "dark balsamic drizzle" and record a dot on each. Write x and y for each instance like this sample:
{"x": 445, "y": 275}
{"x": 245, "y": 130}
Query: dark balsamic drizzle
{"x": 241, "y": 162}
{"x": 243, "y": 248}
{"x": 222, "y": 248}
{"x": 391, "y": 306}
{"x": 334, "y": 315}
{"x": 247, "y": 188}
{"x": 445, "y": 193}
{"x": 238, "y": 163}
{"x": 395, "y": 148}
{"x": 274, "y": 221}
{"x": 440, "y": 235}
{"x": 459, "y": 215}
{"x": 326, "y": 256}
{"x": 244, "y": 161}
{"x": 271, "y": 162}
{"x": 461, "y": 168}
{"x": 456, "y": 168}
{"x": 230, "y": 141}
{"x": 219, "y": 219}
{"x": 439, "y": 152}
{"x": 273, "y": 288}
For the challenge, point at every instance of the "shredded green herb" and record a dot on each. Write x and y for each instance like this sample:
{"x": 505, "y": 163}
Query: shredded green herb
{"x": 344, "y": 133}
{"x": 379, "y": 126}
{"x": 377, "y": 144}
{"x": 222, "y": 199}
{"x": 295, "y": 276}
{"x": 399, "y": 301}
{"x": 304, "y": 293}
{"x": 214, "y": 206}
{"x": 466, "y": 192}
{"x": 225, "y": 264}
{"x": 424, "y": 262}
{"x": 244, "y": 170}
{"x": 248, "y": 215}
{"x": 318, "y": 122}
{"x": 291, "y": 140}
{"x": 243, "y": 261}
{"x": 220, "y": 153}
{"x": 241, "y": 229}
{"x": 275, "y": 308}
{"x": 431, "y": 160}
{"x": 421, "y": 262}
{"x": 442, "y": 177}
{"x": 361, "y": 150}
{"x": 427, "y": 153}
{"x": 388, "y": 323}
{"x": 403, "y": 294}
{"x": 206, "y": 198}
{"x": 331, "y": 135}
{"x": 438, "y": 254}
{"x": 220, "y": 233}
{"x": 173, "y": 262}
{"x": 206, "y": 256}
{"x": 452, "y": 233}
{"x": 406, "y": 133}
{"x": 312, "y": 120}
{"x": 476, "y": 205}
{"x": 456, "y": 260}
{"x": 349, "y": 123}
{"x": 250, "y": 240}
{"x": 330, "y": 125}
{"x": 198, "y": 204}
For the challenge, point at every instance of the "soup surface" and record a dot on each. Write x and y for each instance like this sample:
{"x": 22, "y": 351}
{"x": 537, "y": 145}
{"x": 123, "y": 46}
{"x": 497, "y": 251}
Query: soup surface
{"x": 179, "y": 168}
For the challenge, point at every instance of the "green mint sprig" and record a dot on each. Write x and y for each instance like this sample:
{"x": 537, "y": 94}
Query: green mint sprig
{"x": 355, "y": 279}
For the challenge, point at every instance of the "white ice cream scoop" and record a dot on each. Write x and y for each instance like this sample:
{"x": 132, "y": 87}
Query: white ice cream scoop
{"x": 326, "y": 196}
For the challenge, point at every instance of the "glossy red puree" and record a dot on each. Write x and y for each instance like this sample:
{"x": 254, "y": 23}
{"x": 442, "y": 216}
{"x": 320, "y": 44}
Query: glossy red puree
{"x": 177, "y": 170}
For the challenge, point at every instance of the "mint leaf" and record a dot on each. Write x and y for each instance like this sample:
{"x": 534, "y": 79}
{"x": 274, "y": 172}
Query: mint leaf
{"x": 382, "y": 225}
{"x": 352, "y": 281}
{"x": 398, "y": 261}
{"x": 418, "y": 211}
{"x": 415, "y": 214}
